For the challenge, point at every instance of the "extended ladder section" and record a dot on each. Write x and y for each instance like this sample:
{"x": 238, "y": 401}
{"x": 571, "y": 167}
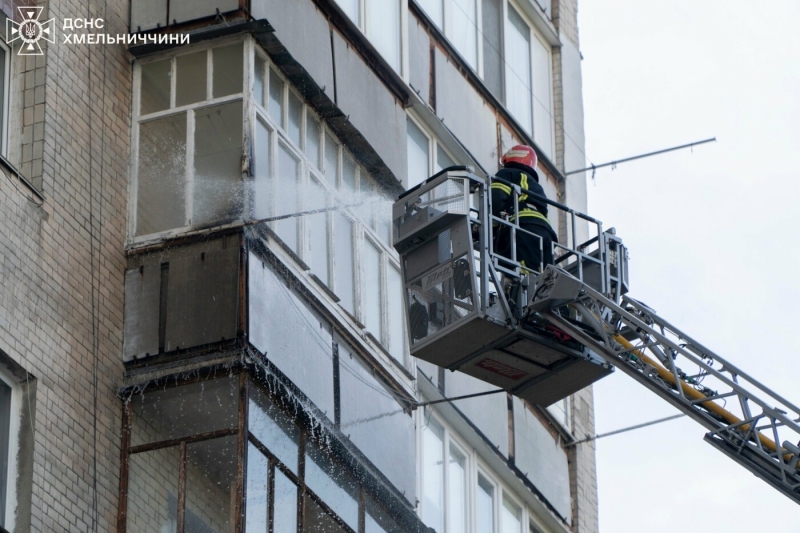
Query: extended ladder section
{"x": 545, "y": 336}
{"x": 747, "y": 421}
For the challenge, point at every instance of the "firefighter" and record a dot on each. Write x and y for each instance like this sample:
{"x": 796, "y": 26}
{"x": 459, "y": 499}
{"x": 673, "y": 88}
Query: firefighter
{"x": 518, "y": 168}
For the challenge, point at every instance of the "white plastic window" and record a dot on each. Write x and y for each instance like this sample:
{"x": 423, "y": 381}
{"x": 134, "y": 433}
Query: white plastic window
{"x": 433, "y": 476}
{"x": 518, "y": 69}
{"x": 418, "y": 155}
{"x": 5, "y": 80}
{"x": 381, "y": 21}
{"x": 458, "y": 492}
{"x": 484, "y": 506}
{"x": 561, "y": 412}
{"x": 300, "y": 165}
{"x": 464, "y": 32}
{"x": 528, "y": 79}
{"x": 511, "y": 518}
{"x": 426, "y": 155}
{"x": 445, "y": 505}
{"x": 371, "y": 309}
{"x": 459, "y": 20}
{"x": 9, "y": 436}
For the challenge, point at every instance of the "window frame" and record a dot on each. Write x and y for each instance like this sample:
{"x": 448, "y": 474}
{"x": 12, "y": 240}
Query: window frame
{"x": 402, "y": 32}
{"x": 447, "y": 29}
{"x": 363, "y": 227}
{"x": 6, "y": 100}
{"x": 476, "y": 467}
{"x": 12, "y": 472}
{"x": 308, "y": 436}
{"x": 434, "y": 144}
{"x": 189, "y": 109}
{"x": 533, "y": 33}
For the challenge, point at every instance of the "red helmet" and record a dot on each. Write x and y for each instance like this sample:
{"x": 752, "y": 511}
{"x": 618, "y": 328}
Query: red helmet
{"x": 525, "y": 155}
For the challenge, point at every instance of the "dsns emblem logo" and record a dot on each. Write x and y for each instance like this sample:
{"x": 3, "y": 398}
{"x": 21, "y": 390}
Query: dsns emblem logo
{"x": 30, "y": 31}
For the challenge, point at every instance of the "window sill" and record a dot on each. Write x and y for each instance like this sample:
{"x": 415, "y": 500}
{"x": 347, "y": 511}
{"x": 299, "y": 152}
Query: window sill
{"x": 8, "y": 167}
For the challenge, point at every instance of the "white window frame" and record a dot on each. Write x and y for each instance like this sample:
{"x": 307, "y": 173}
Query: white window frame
{"x": 6, "y": 100}
{"x": 556, "y": 413}
{"x": 433, "y": 145}
{"x": 13, "y": 448}
{"x": 447, "y": 29}
{"x": 361, "y": 23}
{"x": 189, "y": 109}
{"x": 533, "y": 33}
{"x": 475, "y": 466}
{"x": 363, "y": 228}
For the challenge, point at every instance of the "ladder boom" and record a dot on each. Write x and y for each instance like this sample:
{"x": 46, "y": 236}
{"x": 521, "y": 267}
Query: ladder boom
{"x": 746, "y": 420}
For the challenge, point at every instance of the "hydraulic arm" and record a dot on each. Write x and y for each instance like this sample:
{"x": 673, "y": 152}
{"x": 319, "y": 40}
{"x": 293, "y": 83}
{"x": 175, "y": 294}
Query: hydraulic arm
{"x": 755, "y": 426}
{"x": 545, "y": 336}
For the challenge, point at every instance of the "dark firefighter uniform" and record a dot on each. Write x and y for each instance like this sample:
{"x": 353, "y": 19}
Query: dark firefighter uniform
{"x": 532, "y": 217}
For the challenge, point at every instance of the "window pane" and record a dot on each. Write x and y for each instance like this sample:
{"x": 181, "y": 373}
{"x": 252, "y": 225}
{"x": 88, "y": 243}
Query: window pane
{"x": 331, "y": 159}
{"x": 333, "y": 485}
{"x": 153, "y": 490}
{"x": 295, "y": 118}
{"x": 350, "y": 7}
{"x": 190, "y": 84}
{"x": 348, "y": 174}
{"x": 511, "y": 517}
{"x": 465, "y": 30}
{"x": 396, "y": 313}
{"x": 518, "y": 69}
{"x": 318, "y": 232}
{"x": 262, "y": 196}
{"x": 343, "y": 248}
{"x": 276, "y": 97}
{"x": 258, "y": 86}
{"x": 2, "y": 98}
{"x": 560, "y": 411}
{"x": 155, "y": 86}
{"x": 433, "y": 8}
{"x": 417, "y": 155}
{"x": 442, "y": 159}
{"x": 433, "y": 476}
{"x": 185, "y": 410}
{"x": 457, "y": 487}
{"x": 286, "y": 197}
{"x": 485, "y": 506}
{"x": 385, "y": 224}
{"x": 210, "y": 485}
{"x": 228, "y": 67}
{"x": 542, "y": 127}
{"x": 269, "y": 424}
{"x": 377, "y": 520}
{"x": 218, "y": 194}
{"x": 162, "y": 175}
{"x": 492, "y": 37}
{"x": 257, "y": 490}
{"x": 316, "y": 520}
{"x": 313, "y": 133}
{"x": 285, "y": 507}
{"x": 383, "y": 29}
{"x": 371, "y": 314}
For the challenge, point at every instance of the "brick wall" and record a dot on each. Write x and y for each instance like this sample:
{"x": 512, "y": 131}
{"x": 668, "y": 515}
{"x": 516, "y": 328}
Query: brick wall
{"x": 565, "y": 17}
{"x": 583, "y": 470}
{"x": 62, "y": 266}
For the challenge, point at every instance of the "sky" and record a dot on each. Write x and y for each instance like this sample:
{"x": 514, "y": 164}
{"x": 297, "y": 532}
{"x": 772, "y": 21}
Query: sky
{"x": 711, "y": 234}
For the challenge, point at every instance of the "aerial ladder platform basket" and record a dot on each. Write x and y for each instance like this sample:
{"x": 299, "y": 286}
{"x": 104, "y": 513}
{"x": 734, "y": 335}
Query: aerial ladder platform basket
{"x": 544, "y": 335}
{"x": 467, "y": 304}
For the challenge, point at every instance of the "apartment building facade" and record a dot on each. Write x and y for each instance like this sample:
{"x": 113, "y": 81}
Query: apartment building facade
{"x": 201, "y": 314}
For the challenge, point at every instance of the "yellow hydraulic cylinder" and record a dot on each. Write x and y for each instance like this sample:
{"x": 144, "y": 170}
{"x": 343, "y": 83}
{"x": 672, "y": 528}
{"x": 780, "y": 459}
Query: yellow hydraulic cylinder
{"x": 694, "y": 394}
